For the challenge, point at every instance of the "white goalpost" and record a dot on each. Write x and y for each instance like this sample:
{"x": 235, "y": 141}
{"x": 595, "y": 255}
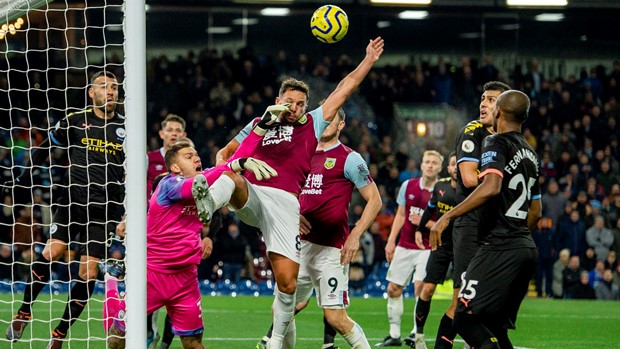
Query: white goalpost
{"x": 49, "y": 49}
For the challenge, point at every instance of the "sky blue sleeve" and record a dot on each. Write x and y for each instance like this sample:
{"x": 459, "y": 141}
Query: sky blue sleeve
{"x": 245, "y": 131}
{"x": 319, "y": 124}
{"x": 170, "y": 190}
{"x": 356, "y": 170}
{"x": 400, "y": 199}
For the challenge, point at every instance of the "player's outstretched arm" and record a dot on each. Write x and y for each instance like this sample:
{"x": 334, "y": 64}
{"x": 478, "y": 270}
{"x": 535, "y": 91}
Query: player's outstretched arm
{"x": 370, "y": 193}
{"x": 349, "y": 84}
{"x": 226, "y": 153}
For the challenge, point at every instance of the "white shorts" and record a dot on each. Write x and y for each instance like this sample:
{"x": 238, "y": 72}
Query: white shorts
{"x": 407, "y": 263}
{"x": 276, "y": 213}
{"x": 321, "y": 270}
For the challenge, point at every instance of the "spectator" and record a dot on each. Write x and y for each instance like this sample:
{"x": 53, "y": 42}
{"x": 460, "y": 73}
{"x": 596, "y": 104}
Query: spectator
{"x": 616, "y": 234}
{"x": 583, "y": 290}
{"x": 230, "y": 247}
{"x": 558, "y": 273}
{"x": 546, "y": 242}
{"x": 571, "y": 276}
{"x": 611, "y": 262}
{"x": 596, "y": 274}
{"x": 599, "y": 237}
{"x": 607, "y": 289}
{"x": 572, "y": 234}
{"x": 589, "y": 259}
{"x": 553, "y": 203}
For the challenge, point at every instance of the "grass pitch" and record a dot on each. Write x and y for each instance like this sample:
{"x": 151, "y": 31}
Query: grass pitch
{"x": 239, "y": 322}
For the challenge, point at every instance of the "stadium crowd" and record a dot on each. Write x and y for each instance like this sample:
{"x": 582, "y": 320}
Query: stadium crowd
{"x": 572, "y": 125}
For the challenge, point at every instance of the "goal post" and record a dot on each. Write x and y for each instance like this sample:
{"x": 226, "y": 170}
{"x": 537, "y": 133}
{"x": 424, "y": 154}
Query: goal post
{"x": 135, "y": 63}
{"x": 49, "y": 49}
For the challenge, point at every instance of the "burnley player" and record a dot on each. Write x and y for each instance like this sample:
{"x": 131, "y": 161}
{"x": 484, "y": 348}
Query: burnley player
{"x": 172, "y": 130}
{"x": 327, "y": 246}
{"x": 408, "y": 259}
{"x": 498, "y": 276}
{"x": 94, "y": 138}
{"x": 442, "y": 201}
{"x": 272, "y": 205}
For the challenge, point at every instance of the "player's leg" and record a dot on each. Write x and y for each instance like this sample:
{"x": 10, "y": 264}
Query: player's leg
{"x": 399, "y": 274}
{"x": 184, "y": 305}
{"x": 285, "y": 271}
{"x": 446, "y": 332}
{"x": 37, "y": 279}
{"x": 113, "y": 306}
{"x": 302, "y": 296}
{"x": 168, "y": 335}
{"x": 416, "y": 337}
{"x": 39, "y": 276}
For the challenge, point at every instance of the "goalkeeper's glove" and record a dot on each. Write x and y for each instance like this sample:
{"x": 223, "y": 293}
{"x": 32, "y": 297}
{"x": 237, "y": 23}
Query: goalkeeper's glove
{"x": 270, "y": 117}
{"x": 260, "y": 168}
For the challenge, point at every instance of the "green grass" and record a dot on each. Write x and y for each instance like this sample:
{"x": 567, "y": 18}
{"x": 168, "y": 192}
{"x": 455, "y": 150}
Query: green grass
{"x": 239, "y": 322}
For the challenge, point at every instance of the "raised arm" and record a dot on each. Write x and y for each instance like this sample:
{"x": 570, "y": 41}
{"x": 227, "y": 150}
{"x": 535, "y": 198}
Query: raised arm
{"x": 350, "y": 83}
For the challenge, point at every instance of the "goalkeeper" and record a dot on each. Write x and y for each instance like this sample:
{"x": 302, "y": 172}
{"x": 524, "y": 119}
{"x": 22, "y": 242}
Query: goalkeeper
{"x": 94, "y": 138}
{"x": 174, "y": 244}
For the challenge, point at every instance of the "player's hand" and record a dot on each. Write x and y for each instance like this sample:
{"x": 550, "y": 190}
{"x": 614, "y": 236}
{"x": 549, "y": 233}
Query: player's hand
{"x": 269, "y": 118}
{"x": 434, "y": 240}
{"x": 390, "y": 247}
{"x": 304, "y": 225}
{"x": 121, "y": 229}
{"x": 415, "y": 218}
{"x": 260, "y": 168}
{"x": 438, "y": 228}
{"x": 349, "y": 249}
{"x": 375, "y": 49}
{"x": 418, "y": 240}
{"x": 207, "y": 247}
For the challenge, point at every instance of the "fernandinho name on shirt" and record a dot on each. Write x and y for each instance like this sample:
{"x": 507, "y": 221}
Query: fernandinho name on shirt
{"x": 519, "y": 156}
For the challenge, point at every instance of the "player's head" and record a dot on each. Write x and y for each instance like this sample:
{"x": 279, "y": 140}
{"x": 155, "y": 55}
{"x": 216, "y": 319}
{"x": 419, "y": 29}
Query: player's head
{"x": 452, "y": 165}
{"x": 513, "y": 106}
{"x": 296, "y": 93}
{"x": 335, "y": 127}
{"x": 490, "y": 91}
{"x": 172, "y": 128}
{"x": 431, "y": 164}
{"x": 182, "y": 159}
{"x": 103, "y": 91}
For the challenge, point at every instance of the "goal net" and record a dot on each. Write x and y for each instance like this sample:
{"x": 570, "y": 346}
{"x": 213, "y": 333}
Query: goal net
{"x": 49, "y": 51}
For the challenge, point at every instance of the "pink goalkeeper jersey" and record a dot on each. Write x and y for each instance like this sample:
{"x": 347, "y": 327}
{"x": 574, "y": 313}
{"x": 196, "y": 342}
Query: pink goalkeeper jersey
{"x": 173, "y": 229}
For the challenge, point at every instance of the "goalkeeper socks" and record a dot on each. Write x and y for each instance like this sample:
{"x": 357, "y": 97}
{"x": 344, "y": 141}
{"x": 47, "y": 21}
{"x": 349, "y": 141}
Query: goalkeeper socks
{"x": 329, "y": 333}
{"x": 283, "y": 312}
{"x": 78, "y": 297}
{"x": 113, "y": 306}
{"x": 356, "y": 337}
{"x": 38, "y": 278}
{"x": 395, "y": 311}
{"x": 421, "y": 314}
{"x": 221, "y": 191}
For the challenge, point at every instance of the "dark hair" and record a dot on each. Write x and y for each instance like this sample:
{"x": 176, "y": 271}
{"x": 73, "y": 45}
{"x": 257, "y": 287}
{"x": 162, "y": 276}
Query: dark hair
{"x": 495, "y": 86}
{"x": 102, "y": 73}
{"x": 173, "y": 118}
{"x": 172, "y": 153}
{"x": 291, "y": 84}
{"x": 452, "y": 153}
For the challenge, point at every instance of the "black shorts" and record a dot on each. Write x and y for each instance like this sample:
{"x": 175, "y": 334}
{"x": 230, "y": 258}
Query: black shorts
{"x": 465, "y": 245}
{"x": 87, "y": 225}
{"x": 438, "y": 264}
{"x": 496, "y": 283}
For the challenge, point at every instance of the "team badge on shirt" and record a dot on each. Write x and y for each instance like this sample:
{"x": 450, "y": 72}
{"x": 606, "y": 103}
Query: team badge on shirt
{"x": 303, "y": 120}
{"x": 330, "y": 163}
